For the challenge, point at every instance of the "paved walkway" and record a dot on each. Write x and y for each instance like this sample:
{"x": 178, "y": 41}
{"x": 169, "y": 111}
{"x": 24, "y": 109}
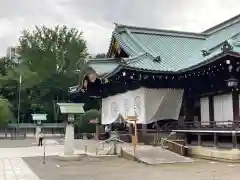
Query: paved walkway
{"x": 15, "y": 169}
{"x": 12, "y": 167}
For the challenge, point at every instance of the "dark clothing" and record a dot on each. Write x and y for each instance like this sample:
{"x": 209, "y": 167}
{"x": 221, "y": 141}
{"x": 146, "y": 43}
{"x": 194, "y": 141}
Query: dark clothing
{"x": 40, "y": 141}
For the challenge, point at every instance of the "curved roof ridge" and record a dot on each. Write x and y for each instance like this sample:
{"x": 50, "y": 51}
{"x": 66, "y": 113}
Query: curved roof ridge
{"x": 161, "y": 31}
{"x": 222, "y": 25}
{"x": 103, "y": 60}
{"x": 136, "y": 58}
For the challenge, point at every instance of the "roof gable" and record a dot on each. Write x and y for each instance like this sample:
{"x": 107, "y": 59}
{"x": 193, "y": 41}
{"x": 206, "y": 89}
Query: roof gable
{"x": 227, "y": 31}
{"x": 173, "y": 47}
{"x": 176, "y": 50}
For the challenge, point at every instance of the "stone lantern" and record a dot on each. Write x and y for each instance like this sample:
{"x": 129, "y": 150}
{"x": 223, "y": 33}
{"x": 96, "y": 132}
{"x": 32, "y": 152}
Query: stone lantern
{"x": 71, "y": 109}
{"x": 39, "y": 118}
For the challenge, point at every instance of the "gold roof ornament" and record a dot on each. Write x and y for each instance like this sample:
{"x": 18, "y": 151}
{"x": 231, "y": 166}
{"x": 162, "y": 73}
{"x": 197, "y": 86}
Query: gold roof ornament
{"x": 116, "y": 47}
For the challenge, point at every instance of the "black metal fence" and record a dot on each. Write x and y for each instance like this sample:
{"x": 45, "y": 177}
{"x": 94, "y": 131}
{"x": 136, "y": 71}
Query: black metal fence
{"x": 24, "y": 130}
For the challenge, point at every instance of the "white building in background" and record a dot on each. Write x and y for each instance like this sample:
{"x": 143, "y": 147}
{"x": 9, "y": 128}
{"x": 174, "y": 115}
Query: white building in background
{"x": 12, "y": 54}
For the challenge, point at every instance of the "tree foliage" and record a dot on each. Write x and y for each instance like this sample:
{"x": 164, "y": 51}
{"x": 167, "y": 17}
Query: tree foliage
{"x": 101, "y": 55}
{"x": 83, "y": 121}
{"x": 5, "y": 111}
{"x": 50, "y": 61}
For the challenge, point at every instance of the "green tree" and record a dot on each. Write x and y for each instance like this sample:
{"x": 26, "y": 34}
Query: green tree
{"x": 5, "y": 112}
{"x": 51, "y": 59}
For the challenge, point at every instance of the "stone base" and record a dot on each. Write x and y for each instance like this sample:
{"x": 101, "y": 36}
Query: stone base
{"x": 232, "y": 155}
{"x": 75, "y": 157}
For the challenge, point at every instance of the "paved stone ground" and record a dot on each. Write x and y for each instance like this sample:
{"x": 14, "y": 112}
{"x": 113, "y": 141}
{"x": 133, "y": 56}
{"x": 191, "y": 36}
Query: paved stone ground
{"x": 157, "y": 155}
{"x": 17, "y": 143}
{"x": 13, "y": 167}
{"x": 120, "y": 169}
{"x": 7, "y": 143}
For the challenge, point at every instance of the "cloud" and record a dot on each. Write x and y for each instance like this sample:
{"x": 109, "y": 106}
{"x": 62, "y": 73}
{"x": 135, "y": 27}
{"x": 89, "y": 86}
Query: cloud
{"x": 95, "y": 17}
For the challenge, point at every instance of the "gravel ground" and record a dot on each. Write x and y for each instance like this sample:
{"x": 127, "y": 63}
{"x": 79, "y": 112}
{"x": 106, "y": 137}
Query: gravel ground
{"x": 113, "y": 168}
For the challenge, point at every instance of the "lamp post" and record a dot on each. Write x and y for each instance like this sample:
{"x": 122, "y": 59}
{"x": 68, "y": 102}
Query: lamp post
{"x": 19, "y": 101}
{"x": 17, "y": 60}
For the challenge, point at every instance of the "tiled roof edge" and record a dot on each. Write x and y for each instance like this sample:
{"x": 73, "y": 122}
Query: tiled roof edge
{"x": 135, "y": 29}
{"x": 103, "y": 60}
{"x": 223, "y": 25}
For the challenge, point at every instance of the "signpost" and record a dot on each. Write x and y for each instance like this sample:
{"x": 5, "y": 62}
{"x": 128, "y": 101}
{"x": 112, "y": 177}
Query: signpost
{"x": 134, "y": 136}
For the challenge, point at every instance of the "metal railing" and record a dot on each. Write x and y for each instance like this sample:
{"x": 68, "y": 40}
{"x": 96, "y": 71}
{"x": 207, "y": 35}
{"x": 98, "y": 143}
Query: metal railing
{"x": 206, "y": 125}
{"x": 32, "y": 125}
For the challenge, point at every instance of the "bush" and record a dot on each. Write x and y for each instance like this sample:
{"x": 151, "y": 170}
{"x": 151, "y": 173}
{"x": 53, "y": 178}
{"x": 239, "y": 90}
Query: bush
{"x": 83, "y": 121}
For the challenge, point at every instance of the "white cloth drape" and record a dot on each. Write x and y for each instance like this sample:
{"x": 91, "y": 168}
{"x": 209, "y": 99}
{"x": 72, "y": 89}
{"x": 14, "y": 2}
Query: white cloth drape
{"x": 165, "y": 105}
{"x": 204, "y": 103}
{"x": 223, "y": 108}
{"x": 149, "y": 105}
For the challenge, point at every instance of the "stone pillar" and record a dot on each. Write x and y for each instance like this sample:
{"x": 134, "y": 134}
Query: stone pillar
{"x": 97, "y": 133}
{"x": 69, "y": 136}
{"x": 38, "y": 130}
{"x": 199, "y": 139}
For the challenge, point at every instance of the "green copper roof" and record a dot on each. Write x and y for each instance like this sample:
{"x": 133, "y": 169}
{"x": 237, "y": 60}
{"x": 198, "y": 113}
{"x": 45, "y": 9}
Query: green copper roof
{"x": 170, "y": 51}
{"x": 104, "y": 66}
{"x": 177, "y": 50}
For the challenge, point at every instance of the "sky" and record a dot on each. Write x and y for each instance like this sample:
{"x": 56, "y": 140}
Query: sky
{"x": 96, "y": 18}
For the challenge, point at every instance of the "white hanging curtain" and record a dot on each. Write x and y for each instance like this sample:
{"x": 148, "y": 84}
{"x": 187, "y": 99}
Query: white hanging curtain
{"x": 205, "y": 118}
{"x": 223, "y": 108}
{"x": 149, "y": 105}
{"x": 163, "y": 104}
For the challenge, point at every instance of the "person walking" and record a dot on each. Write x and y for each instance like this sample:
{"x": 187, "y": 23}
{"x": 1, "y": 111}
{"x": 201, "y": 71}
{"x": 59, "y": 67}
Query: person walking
{"x": 40, "y": 139}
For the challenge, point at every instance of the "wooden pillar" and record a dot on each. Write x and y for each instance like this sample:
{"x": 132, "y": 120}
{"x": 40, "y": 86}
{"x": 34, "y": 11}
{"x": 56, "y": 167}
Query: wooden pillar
{"x": 235, "y": 101}
{"x": 144, "y": 128}
{"x": 189, "y": 109}
{"x": 130, "y": 128}
{"x": 157, "y": 127}
{"x": 211, "y": 109}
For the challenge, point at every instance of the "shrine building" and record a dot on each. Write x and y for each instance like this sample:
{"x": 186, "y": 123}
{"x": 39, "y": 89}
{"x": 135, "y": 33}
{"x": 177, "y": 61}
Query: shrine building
{"x": 159, "y": 74}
